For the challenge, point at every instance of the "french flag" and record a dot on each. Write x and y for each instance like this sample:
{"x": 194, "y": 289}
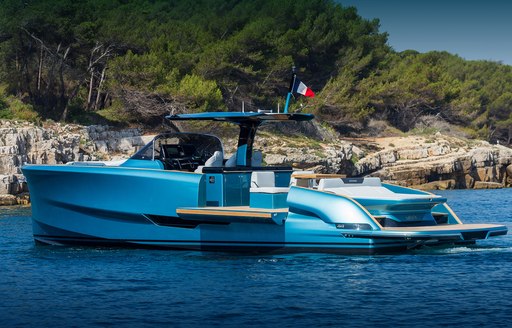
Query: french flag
{"x": 301, "y": 88}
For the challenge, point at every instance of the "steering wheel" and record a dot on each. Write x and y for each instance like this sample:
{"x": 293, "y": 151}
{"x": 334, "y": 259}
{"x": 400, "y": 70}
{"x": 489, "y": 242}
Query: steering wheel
{"x": 205, "y": 156}
{"x": 171, "y": 163}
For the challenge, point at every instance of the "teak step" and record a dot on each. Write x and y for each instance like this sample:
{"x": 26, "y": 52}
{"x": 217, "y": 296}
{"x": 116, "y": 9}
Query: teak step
{"x": 231, "y": 214}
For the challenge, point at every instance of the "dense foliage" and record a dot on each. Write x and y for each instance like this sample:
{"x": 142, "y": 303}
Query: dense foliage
{"x": 476, "y": 95}
{"x": 135, "y": 60}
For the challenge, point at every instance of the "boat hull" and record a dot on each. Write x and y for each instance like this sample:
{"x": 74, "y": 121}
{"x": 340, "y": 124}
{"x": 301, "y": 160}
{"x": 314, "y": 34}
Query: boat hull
{"x": 149, "y": 208}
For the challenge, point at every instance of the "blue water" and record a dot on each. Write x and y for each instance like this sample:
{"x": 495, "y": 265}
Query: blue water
{"x": 50, "y": 286}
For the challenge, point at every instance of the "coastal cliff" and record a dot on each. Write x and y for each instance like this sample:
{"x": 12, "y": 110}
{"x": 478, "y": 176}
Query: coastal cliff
{"x": 433, "y": 162}
{"x": 426, "y": 162}
{"x": 24, "y": 142}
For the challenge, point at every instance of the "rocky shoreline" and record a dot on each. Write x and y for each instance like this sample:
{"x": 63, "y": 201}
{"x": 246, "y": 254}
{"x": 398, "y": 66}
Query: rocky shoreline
{"x": 433, "y": 162}
{"x": 426, "y": 162}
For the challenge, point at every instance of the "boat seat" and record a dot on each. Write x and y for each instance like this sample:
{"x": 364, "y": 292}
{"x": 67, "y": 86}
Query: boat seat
{"x": 231, "y": 162}
{"x": 257, "y": 159}
{"x": 264, "y": 193}
{"x": 338, "y": 182}
{"x": 369, "y": 188}
{"x": 214, "y": 161}
{"x": 264, "y": 182}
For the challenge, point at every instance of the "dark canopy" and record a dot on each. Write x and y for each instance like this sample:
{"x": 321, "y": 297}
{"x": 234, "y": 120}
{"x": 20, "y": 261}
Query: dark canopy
{"x": 240, "y": 117}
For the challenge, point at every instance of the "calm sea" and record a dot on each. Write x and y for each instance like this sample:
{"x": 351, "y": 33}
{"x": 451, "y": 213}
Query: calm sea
{"x": 45, "y": 286}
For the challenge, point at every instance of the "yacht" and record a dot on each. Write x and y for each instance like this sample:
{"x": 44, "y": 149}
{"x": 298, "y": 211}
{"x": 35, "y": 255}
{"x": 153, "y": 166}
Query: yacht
{"x": 180, "y": 192}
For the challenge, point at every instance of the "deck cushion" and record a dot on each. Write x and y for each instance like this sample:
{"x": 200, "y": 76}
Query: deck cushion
{"x": 369, "y": 192}
{"x": 215, "y": 160}
{"x": 264, "y": 182}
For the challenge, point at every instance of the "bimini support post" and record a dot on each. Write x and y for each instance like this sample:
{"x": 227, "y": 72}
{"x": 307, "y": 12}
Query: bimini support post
{"x": 245, "y": 143}
{"x": 290, "y": 91}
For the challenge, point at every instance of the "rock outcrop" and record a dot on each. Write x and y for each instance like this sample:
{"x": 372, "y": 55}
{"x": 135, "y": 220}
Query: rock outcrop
{"x": 434, "y": 162}
{"x": 55, "y": 144}
{"x": 440, "y": 163}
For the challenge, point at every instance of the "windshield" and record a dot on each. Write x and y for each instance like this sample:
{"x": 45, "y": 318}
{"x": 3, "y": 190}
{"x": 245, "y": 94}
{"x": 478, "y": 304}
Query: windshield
{"x": 180, "y": 145}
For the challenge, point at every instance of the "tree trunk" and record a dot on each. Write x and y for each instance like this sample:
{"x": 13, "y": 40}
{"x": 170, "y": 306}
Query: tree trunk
{"x": 63, "y": 100}
{"x": 19, "y": 73}
{"x": 98, "y": 94}
{"x": 91, "y": 83}
{"x": 40, "y": 69}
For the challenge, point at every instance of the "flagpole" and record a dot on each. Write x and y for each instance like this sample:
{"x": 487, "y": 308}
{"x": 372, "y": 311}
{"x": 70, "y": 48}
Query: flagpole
{"x": 292, "y": 83}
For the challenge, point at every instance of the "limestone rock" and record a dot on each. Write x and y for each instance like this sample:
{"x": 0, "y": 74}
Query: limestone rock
{"x": 437, "y": 185}
{"x": 55, "y": 144}
{"x": 6, "y": 200}
{"x": 487, "y": 185}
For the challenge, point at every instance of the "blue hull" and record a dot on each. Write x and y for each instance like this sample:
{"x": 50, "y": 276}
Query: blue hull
{"x": 143, "y": 207}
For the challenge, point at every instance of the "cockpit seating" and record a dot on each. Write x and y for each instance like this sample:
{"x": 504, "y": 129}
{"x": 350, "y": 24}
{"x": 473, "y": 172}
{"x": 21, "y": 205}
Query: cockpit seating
{"x": 257, "y": 159}
{"x": 368, "y": 188}
{"x": 214, "y": 161}
{"x": 264, "y": 193}
{"x": 264, "y": 182}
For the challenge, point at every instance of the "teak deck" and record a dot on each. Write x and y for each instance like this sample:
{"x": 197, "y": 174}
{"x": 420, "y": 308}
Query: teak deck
{"x": 278, "y": 215}
{"x": 237, "y": 211}
{"x": 228, "y": 214}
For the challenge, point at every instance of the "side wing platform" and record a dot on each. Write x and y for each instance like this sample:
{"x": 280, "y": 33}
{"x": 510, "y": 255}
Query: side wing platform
{"x": 440, "y": 233}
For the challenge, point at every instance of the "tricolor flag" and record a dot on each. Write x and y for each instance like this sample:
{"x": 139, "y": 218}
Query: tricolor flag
{"x": 301, "y": 88}
{"x": 296, "y": 86}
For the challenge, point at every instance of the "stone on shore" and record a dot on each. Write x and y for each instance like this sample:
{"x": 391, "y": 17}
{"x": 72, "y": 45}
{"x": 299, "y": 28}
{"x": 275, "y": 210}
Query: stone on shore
{"x": 424, "y": 162}
{"x": 6, "y": 200}
{"x": 487, "y": 185}
{"x": 437, "y": 185}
